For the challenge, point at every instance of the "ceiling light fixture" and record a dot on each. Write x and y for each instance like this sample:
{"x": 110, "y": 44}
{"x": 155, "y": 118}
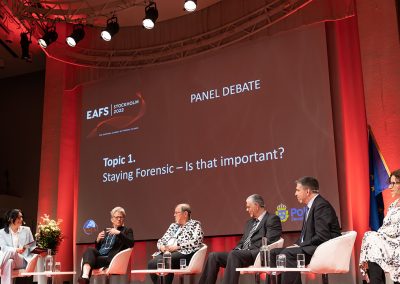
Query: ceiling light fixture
{"x": 111, "y": 29}
{"x": 50, "y": 36}
{"x": 77, "y": 35}
{"x": 151, "y": 16}
{"x": 190, "y": 5}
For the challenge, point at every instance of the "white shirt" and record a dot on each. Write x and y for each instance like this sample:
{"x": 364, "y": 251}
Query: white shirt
{"x": 15, "y": 237}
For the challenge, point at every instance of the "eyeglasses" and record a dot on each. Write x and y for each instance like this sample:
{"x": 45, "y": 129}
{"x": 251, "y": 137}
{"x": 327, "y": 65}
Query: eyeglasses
{"x": 119, "y": 217}
{"x": 392, "y": 184}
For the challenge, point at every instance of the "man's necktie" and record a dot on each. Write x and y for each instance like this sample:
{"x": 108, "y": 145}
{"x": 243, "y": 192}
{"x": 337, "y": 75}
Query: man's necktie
{"x": 303, "y": 230}
{"x": 246, "y": 243}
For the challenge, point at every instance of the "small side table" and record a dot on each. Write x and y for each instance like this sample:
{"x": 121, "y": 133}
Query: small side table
{"x": 50, "y": 274}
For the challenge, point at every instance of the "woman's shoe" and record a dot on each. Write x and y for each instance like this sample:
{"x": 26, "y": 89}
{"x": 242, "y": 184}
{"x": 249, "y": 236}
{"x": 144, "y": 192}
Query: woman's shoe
{"x": 83, "y": 280}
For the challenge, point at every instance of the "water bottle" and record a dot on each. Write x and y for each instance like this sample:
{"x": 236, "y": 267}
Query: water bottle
{"x": 48, "y": 261}
{"x": 264, "y": 253}
{"x": 167, "y": 260}
{"x": 264, "y": 256}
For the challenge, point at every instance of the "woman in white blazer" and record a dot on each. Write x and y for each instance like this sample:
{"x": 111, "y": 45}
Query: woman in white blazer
{"x": 16, "y": 242}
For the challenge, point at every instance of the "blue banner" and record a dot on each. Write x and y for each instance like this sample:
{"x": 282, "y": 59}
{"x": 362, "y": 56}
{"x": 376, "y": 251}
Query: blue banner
{"x": 378, "y": 181}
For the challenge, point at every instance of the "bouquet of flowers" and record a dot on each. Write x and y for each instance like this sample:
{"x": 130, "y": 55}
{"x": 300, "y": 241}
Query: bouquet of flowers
{"x": 48, "y": 234}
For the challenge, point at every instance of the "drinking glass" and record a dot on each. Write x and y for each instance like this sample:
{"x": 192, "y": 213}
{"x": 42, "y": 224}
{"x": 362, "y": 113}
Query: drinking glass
{"x": 280, "y": 261}
{"x": 57, "y": 266}
{"x": 160, "y": 264}
{"x": 301, "y": 261}
{"x": 182, "y": 263}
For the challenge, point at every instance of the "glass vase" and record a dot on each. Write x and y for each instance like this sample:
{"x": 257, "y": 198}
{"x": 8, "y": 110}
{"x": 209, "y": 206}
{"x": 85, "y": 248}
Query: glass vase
{"x": 48, "y": 261}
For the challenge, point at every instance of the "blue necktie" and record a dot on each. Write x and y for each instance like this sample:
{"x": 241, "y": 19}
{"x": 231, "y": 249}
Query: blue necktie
{"x": 303, "y": 230}
{"x": 246, "y": 244}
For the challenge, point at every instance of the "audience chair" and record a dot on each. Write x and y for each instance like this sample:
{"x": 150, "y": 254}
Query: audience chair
{"x": 118, "y": 265}
{"x": 195, "y": 265}
{"x": 323, "y": 262}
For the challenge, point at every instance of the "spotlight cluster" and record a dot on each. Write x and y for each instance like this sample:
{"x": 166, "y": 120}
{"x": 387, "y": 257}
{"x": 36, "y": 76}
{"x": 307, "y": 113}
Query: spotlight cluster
{"x": 78, "y": 33}
{"x": 151, "y": 12}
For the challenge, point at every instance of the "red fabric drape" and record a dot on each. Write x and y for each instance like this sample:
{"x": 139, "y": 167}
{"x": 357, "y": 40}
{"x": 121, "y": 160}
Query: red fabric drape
{"x": 350, "y": 125}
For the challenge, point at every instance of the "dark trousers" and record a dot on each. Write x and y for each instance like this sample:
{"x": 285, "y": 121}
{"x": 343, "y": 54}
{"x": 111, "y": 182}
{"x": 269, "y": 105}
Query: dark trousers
{"x": 175, "y": 264}
{"x": 94, "y": 259}
{"x": 291, "y": 261}
{"x": 375, "y": 273}
{"x": 230, "y": 260}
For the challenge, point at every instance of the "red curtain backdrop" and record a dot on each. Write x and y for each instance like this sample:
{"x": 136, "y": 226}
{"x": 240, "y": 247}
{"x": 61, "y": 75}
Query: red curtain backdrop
{"x": 350, "y": 125}
{"x": 60, "y": 152}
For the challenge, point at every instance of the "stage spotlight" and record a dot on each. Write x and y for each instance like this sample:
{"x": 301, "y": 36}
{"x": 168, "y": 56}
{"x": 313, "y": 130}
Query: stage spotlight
{"x": 151, "y": 15}
{"x": 111, "y": 29}
{"x": 77, "y": 35}
{"x": 49, "y": 37}
{"x": 190, "y": 5}
{"x": 25, "y": 42}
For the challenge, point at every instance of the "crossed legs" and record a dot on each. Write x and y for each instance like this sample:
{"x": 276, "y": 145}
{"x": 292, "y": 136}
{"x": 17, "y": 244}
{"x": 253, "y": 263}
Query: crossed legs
{"x": 91, "y": 259}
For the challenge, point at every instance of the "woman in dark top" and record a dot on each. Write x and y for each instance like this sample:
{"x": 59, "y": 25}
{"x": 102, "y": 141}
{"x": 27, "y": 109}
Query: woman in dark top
{"x": 108, "y": 243}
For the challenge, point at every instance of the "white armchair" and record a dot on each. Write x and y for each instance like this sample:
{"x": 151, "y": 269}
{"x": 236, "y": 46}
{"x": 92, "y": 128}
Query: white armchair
{"x": 195, "y": 265}
{"x": 323, "y": 262}
{"x": 118, "y": 265}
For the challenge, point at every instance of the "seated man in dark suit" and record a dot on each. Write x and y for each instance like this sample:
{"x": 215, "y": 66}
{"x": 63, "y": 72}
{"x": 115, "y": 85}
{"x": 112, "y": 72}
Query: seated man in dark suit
{"x": 320, "y": 225}
{"x": 261, "y": 224}
{"x": 108, "y": 243}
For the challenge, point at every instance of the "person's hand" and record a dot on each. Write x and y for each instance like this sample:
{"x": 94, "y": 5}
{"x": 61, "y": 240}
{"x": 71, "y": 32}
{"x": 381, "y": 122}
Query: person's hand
{"x": 113, "y": 231}
{"x": 20, "y": 250}
{"x": 163, "y": 248}
{"x": 100, "y": 236}
{"x": 173, "y": 248}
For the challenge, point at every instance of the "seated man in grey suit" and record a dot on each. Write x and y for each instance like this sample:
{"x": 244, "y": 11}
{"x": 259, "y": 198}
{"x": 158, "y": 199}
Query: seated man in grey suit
{"x": 261, "y": 224}
{"x": 320, "y": 224}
